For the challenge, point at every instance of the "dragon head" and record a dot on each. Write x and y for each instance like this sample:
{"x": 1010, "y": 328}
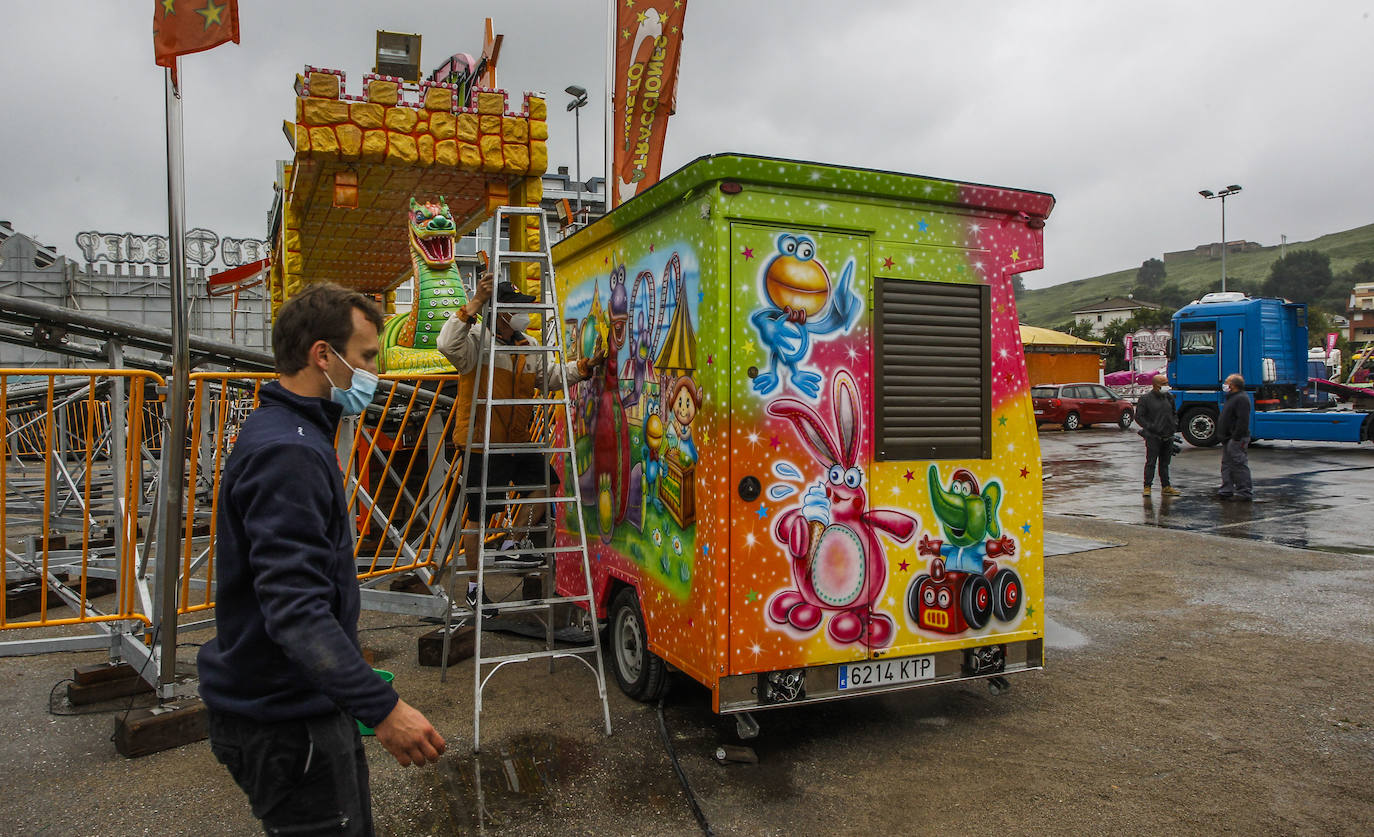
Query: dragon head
{"x": 431, "y": 234}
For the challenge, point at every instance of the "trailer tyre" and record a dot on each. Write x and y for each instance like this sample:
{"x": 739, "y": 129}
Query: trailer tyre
{"x": 641, "y": 674}
{"x": 976, "y": 601}
{"x": 1200, "y": 427}
{"x": 1072, "y": 421}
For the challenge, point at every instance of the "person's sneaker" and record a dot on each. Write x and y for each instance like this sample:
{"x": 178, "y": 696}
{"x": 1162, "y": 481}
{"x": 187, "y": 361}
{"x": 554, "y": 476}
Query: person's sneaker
{"x": 1171, "y": 491}
{"x": 526, "y": 560}
{"x": 1145, "y": 492}
{"x": 487, "y": 612}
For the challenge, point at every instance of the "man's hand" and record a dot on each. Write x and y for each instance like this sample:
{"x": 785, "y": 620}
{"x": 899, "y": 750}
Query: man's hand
{"x": 486, "y": 286}
{"x": 599, "y": 356}
{"x": 408, "y": 735}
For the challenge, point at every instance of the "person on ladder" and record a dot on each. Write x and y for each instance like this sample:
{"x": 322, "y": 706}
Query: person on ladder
{"x": 466, "y": 348}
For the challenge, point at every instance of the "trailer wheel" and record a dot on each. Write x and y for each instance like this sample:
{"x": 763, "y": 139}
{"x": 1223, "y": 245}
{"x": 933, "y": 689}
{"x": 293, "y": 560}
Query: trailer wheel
{"x": 1072, "y": 421}
{"x": 976, "y": 600}
{"x": 641, "y": 674}
{"x": 1200, "y": 427}
{"x": 1006, "y": 594}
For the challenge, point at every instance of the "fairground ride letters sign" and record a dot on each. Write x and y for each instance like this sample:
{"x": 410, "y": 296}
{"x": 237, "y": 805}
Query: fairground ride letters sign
{"x": 128, "y": 248}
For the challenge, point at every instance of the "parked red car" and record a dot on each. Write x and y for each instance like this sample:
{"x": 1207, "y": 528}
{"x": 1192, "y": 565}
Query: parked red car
{"x": 1079, "y": 405}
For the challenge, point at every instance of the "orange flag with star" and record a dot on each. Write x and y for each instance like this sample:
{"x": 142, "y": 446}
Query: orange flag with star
{"x": 648, "y": 39}
{"x": 181, "y": 27}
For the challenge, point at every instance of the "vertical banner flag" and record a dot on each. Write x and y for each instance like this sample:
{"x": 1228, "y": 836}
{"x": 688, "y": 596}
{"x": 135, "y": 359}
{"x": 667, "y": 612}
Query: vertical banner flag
{"x": 1129, "y": 339}
{"x": 1330, "y": 342}
{"x": 648, "y": 41}
{"x": 181, "y": 27}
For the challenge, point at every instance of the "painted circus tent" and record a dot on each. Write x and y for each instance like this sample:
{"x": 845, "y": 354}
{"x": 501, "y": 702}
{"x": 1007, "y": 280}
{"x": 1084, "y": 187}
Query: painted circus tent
{"x": 813, "y": 449}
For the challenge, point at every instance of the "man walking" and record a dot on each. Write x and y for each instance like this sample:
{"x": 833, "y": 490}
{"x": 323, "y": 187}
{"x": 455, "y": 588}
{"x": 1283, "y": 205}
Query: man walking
{"x": 1233, "y": 428}
{"x": 284, "y": 678}
{"x": 1158, "y": 420}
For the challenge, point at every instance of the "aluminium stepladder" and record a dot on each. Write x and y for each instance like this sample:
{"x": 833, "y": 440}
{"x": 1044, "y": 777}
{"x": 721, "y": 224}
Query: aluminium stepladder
{"x": 547, "y": 350}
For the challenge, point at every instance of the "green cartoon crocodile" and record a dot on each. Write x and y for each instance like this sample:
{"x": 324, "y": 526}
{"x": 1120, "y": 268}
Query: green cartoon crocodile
{"x": 969, "y": 521}
{"x": 409, "y": 341}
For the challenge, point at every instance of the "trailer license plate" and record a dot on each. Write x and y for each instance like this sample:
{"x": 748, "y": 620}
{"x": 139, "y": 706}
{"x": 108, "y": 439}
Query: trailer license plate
{"x": 886, "y": 672}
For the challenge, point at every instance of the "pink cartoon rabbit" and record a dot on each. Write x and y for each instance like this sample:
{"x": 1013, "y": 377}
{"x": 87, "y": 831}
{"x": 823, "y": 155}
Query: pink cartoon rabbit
{"x": 837, "y": 559}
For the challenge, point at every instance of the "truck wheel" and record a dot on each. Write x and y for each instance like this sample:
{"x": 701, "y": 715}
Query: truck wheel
{"x": 641, "y": 674}
{"x": 976, "y": 600}
{"x": 1200, "y": 427}
{"x": 1072, "y": 421}
{"x": 1126, "y": 418}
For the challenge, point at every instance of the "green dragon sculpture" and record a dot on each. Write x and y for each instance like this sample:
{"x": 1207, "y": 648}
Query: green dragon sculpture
{"x": 409, "y": 341}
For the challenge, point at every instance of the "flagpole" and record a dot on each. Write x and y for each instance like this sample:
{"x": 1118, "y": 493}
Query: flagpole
{"x": 174, "y": 441}
{"x": 608, "y": 183}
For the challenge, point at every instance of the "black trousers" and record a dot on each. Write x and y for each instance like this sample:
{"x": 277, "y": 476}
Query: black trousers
{"x": 1158, "y": 452}
{"x": 302, "y": 777}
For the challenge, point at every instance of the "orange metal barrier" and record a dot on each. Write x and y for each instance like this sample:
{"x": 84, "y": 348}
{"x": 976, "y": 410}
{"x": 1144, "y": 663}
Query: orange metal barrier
{"x": 84, "y": 487}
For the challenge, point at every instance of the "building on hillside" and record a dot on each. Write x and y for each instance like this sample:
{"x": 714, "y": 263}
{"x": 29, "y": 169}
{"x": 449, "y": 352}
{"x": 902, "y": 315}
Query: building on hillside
{"x": 1053, "y": 357}
{"x": 1213, "y": 250}
{"x": 1361, "y": 310}
{"x": 1110, "y": 310}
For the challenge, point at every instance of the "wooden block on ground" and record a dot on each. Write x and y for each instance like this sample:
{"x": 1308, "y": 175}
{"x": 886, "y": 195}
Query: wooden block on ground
{"x": 158, "y": 728}
{"x": 102, "y": 673}
{"x": 462, "y": 642}
{"x": 409, "y": 583}
{"x": 79, "y": 695}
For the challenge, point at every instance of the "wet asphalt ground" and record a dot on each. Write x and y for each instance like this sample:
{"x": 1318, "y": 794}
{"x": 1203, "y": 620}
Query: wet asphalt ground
{"x": 1308, "y": 495}
{"x": 1202, "y": 676}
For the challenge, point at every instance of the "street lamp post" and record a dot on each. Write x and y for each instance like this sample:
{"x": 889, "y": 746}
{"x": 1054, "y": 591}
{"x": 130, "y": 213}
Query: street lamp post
{"x": 1223, "y": 194}
{"x": 579, "y": 99}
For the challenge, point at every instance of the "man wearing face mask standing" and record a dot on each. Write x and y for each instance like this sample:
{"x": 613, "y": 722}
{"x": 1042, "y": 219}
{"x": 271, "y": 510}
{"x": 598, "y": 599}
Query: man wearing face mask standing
{"x": 1158, "y": 420}
{"x": 465, "y": 343}
{"x": 1233, "y": 429}
{"x": 284, "y": 678}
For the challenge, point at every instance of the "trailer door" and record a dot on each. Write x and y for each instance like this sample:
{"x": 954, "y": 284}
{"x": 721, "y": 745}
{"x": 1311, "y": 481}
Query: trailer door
{"x": 799, "y": 352}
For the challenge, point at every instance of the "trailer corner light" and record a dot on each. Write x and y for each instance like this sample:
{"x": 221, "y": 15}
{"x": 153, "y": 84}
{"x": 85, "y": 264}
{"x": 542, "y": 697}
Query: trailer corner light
{"x": 731, "y": 187}
{"x": 783, "y": 686}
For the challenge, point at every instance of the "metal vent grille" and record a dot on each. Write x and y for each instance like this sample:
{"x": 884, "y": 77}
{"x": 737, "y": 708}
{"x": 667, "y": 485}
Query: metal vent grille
{"x": 932, "y": 371}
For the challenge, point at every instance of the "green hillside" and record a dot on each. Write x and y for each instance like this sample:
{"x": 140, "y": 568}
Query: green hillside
{"x": 1051, "y": 306}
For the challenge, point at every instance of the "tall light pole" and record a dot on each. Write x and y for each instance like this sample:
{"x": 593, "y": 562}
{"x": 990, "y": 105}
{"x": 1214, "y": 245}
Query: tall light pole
{"x": 579, "y": 99}
{"x": 1223, "y": 194}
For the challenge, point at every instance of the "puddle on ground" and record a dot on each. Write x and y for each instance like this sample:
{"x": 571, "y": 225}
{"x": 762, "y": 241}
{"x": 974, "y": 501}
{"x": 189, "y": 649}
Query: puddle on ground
{"x": 496, "y": 789}
{"x": 1062, "y": 637}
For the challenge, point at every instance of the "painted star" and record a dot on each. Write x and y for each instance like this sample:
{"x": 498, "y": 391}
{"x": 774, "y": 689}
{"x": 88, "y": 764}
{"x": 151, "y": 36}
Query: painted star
{"x": 625, "y": 33}
{"x": 750, "y": 345}
{"x": 774, "y": 442}
{"x": 1026, "y": 529}
{"x": 1030, "y": 610}
{"x": 909, "y": 475}
{"x": 763, "y": 511}
{"x": 710, "y": 359}
{"x": 1002, "y": 420}
{"x": 651, "y": 248}
{"x": 751, "y": 596}
{"x": 169, "y": 7}
{"x": 1025, "y": 472}
{"x": 1016, "y": 254}
{"x": 904, "y": 566}
{"x": 887, "y": 262}
{"x": 923, "y": 226}
{"x": 641, "y": 17}
{"x": 748, "y": 253}
{"x": 211, "y": 13}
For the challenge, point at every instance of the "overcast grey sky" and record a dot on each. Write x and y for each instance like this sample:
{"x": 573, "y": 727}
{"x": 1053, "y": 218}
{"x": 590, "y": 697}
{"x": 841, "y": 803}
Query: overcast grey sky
{"x": 1122, "y": 110}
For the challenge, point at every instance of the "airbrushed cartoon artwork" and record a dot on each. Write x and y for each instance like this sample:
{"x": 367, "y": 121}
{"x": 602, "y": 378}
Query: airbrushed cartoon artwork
{"x": 812, "y": 448}
{"x": 635, "y": 447}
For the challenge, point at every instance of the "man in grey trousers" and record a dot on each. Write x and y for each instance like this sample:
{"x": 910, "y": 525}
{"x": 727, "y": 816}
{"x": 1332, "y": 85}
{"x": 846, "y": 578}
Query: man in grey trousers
{"x": 1233, "y": 428}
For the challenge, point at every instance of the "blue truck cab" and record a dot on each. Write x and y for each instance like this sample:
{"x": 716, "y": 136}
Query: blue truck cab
{"x": 1265, "y": 340}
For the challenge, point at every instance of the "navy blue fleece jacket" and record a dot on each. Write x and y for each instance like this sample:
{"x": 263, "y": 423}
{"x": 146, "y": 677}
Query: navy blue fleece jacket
{"x": 287, "y": 602}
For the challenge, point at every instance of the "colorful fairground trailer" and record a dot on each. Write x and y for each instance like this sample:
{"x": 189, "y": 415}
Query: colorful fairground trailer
{"x": 811, "y": 468}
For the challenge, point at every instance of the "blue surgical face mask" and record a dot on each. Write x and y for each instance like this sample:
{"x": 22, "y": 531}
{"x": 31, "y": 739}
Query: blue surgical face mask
{"x": 360, "y": 390}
